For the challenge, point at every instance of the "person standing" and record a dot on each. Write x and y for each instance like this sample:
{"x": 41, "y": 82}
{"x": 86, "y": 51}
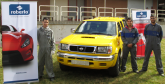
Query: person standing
{"x": 153, "y": 34}
{"x": 129, "y": 37}
{"x": 46, "y": 49}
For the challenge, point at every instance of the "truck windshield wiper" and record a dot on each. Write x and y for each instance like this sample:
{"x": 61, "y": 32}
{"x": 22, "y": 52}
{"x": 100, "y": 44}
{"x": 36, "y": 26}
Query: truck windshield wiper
{"x": 96, "y": 33}
{"x": 101, "y": 33}
{"x": 81, "y": 33}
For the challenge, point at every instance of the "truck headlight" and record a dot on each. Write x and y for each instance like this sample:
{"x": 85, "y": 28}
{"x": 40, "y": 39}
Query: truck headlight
{"x": 107, "y": 49}
{"x": 64, "y": 46}
{"x": 59, "y": 46}
{"x": 26, "y": 43}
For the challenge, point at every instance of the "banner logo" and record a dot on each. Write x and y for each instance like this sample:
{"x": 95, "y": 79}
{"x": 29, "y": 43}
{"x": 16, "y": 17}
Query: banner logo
{"x": 19, "y": 9}
{"x": 141, "y": 14}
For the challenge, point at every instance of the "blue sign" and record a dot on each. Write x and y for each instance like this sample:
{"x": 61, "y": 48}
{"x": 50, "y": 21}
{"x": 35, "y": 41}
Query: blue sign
{"x": 141, "y": 14}
{"x": 19, "y": 9}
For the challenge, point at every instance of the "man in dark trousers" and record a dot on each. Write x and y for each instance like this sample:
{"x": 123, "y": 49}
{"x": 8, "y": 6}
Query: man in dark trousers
{"x": 153, "y": 34}
{"x": 129, "y": 37}
{"x": 46, "y": 49}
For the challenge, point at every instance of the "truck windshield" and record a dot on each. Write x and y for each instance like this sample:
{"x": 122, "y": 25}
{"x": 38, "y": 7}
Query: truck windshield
{"x": 97, "y": 27}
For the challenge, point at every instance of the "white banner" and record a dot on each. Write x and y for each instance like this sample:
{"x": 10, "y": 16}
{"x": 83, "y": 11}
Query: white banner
{"x": 19, "y": 41}
{"x": 140, "y": 19}
{"x": 141, "y": 14}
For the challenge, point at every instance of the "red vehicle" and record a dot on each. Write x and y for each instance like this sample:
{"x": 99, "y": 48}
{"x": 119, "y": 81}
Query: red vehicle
{"x": 17, "y": 47}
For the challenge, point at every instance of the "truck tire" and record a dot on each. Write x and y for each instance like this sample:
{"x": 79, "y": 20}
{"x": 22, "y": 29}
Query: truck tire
{"x": 64, "y": 67}
{"x": 114, "y": 71}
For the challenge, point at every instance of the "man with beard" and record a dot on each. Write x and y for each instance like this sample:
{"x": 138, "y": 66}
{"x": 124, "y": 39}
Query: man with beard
{"x": 153, "y": 35}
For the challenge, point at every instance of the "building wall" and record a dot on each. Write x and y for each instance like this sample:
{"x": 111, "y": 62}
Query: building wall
{"x": 149, "y": 4}
{"x": 61, "y": 31}
{"x": 98, "y": 3}
{"x": 59, "y": 3}
{"x": 79, "y": 4}
{"x": 87, "y": 3}
{"x": 117, "y": 4}
{"x": 109, "y": 3}
{"x": 72, "y": 3}
{"x": 155, "y": 6}
{"x": 95, "y": 3}
{"x": 41, "y": 2}
{"x": 140, "y": 4}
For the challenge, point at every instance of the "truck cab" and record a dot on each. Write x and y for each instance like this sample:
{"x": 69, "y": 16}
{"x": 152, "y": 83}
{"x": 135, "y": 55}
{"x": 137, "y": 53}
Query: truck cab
{"x": 95, "y": 44}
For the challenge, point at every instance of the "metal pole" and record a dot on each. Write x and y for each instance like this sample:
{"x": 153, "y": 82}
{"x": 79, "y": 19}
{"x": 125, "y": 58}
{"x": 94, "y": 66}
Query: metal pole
{"x": 54, "y": 10}
{"x": 60, "y": 13}
{"x": 39, "y": 13}
{"x": 80, "y": 13}
{"x": 144, "y": 4}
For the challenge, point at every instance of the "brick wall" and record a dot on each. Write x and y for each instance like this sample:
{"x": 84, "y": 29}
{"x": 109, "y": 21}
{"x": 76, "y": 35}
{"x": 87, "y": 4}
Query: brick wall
{"x": 109, "y": 3}
{"x": 155, "y": 4}
{"x": 117, "y": 4}
{"x": 87, "y": 3}
{"x": 97, "y": 4}
{"x": 41, "y": 2}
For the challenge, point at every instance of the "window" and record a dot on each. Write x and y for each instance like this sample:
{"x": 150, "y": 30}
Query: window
{"x": 97, "y": 27}
{"x": 124, "y": 22}
{"x": 121, "y": 24}
{"x": 13, "y": 28}
{"x": 5, "y": 28}
{"x": 119, "y": 28}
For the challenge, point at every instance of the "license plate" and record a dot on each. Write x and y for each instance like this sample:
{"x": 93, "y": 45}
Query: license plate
{"x": 80, "y": 62}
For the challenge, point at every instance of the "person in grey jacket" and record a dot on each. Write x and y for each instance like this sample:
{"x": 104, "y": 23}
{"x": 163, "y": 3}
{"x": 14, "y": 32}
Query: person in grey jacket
{"x": 129, "y": 37}
{"x": 46, "y": 49}
{"x": 153, "y": 34}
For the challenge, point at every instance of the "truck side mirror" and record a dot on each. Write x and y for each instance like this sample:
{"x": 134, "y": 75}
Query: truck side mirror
{"x": 119, "y": 33}
{"x": 72, "y": 30}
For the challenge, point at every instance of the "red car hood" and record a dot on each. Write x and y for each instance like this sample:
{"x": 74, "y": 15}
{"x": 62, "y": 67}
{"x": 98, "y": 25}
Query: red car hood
{"x": 11, "y": 41}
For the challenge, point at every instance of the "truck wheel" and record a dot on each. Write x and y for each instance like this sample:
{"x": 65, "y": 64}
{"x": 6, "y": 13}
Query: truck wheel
{"x": 64, "y": 67}
{"x": 114, "y": 71}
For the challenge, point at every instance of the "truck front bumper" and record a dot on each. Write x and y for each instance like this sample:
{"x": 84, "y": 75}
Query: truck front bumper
{"x": 85, "y": 61}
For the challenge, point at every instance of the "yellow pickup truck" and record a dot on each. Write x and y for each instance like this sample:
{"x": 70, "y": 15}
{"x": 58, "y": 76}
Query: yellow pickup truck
{"x": 95, "y": 44}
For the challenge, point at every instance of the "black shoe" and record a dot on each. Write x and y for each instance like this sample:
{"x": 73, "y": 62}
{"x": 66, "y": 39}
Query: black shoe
{"x": 40, "y": 77}
{"x": 52, "y": 79}
{"x": 162, "y": 74}
{"x": 136, "y": 71}
{"x": 142, "y": 70}
{"x": 122, "y": 70}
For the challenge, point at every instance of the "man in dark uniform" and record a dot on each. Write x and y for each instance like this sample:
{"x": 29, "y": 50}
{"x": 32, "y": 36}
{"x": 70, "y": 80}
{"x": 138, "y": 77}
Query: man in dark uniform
{"x": 153, "y": 35}
{"x": 46, "y": 49}
{"x": 129, "y": 37}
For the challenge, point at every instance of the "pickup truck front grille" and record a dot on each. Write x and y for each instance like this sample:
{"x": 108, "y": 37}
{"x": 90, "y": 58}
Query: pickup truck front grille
{"x": 76, "y": 48}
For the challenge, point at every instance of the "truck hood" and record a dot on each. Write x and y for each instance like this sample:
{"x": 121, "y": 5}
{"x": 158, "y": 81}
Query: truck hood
{"x": 91, "y": 40}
